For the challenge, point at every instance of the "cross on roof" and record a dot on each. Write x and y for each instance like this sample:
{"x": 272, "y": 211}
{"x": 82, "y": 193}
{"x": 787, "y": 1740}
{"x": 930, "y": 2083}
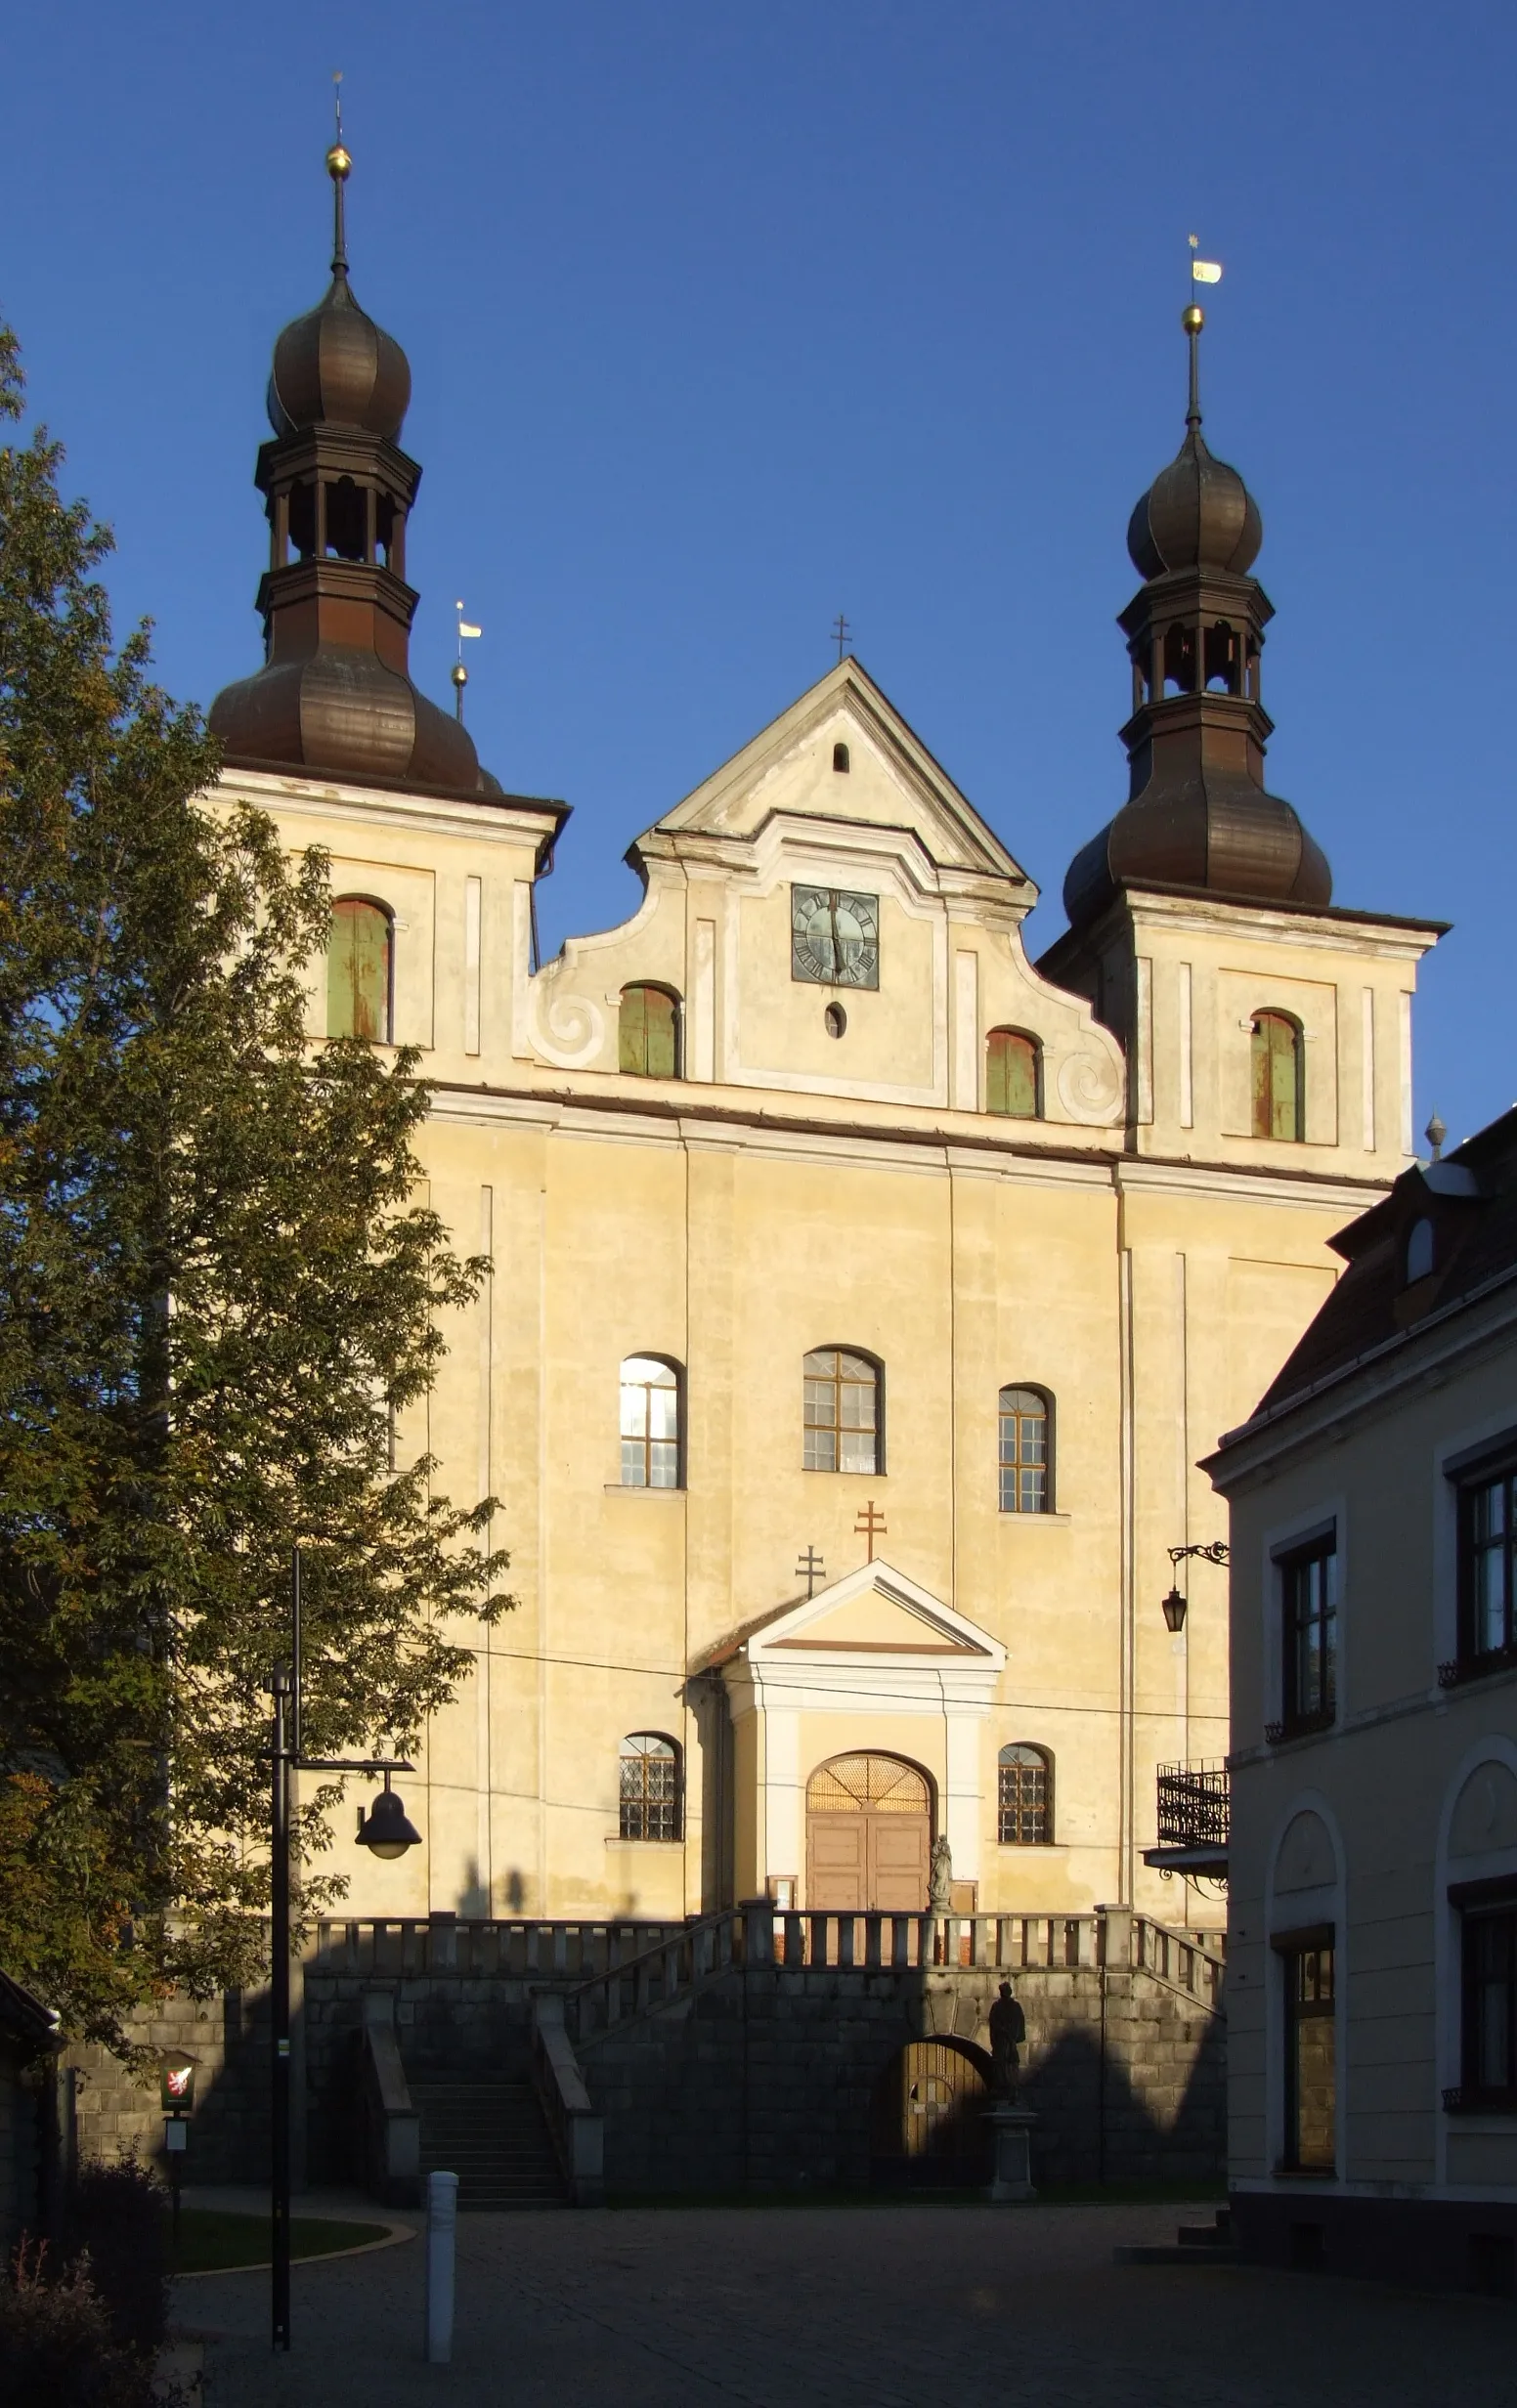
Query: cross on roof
{"x": 840, "y": 634}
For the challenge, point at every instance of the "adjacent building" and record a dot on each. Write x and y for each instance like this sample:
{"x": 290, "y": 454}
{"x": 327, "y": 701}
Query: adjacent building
{"x": 864, "y": 1290}
{"x": 1372, "y": 1967}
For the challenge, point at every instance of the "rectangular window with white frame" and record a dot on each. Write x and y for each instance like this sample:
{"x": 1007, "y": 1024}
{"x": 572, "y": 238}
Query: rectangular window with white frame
{"x": 1486, "y": 1493}
{"x": 1488, "y": 1996}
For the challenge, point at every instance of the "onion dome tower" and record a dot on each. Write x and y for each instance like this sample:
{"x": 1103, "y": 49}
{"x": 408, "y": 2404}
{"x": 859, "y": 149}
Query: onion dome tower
{"x": 334, "y": 695}
{"x": 1197, "y": 817}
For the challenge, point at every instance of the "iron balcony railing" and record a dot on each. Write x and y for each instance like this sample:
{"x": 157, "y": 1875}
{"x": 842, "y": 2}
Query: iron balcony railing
{"x": 1192, "y": 1806}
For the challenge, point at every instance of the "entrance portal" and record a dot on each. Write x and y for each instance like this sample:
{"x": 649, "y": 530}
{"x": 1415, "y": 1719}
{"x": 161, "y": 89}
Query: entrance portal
{"x": 868, "y": 1836}
{"x": 930, "y": 2116}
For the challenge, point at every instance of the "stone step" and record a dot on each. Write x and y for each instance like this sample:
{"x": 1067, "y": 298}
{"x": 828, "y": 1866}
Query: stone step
{"x": 492, "y": 2134}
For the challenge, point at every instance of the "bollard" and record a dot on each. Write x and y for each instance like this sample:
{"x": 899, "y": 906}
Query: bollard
{"x": 441, "y": 2229}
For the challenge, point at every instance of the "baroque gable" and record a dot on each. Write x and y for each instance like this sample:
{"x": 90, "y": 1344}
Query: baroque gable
{"x": 836, "y": 816}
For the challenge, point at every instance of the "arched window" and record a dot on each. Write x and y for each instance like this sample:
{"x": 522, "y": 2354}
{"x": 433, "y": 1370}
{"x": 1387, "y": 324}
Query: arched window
{"x": 1014, "y": 1066}
{"x": 839, "y": 759}
{"x": 1027, "y": 1453}
{"x": 1278, "y": 1077}
{"x": 843, "y": 1423}
{"x": 648, "y": 1033}
{"x": 651, "y": 1787}
{"x": 358, "y": 970}
{"x": 1419, "y": 1251}
{"x": 1025, "y": 1796}
{"x": 650, "y": 1423}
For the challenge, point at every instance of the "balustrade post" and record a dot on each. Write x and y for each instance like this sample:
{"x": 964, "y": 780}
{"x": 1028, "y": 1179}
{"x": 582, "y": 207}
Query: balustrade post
{"x": 757, "y": 1932}
{"x": 872, "y": 1935}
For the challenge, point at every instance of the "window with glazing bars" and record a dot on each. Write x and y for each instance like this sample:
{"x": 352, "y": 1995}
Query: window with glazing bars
{"x": 1025, "y": 1451}
{"x": 1025, "y": 1796}
{"x": 1311, "y": 2057}
{"x": 1309, "y": 1586}
{"x": 650, "y": 1787}
{"x": 1487, "y": 1546}
{"x": 841, "y": 1412}
{"x": 650, "y": 1423}
{"x": 1487, "y": 2070}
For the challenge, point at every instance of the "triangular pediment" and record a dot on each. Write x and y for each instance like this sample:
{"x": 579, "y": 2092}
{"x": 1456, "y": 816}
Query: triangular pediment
{"x": 892, "y": 782}
{"x": 874, "y": 1611}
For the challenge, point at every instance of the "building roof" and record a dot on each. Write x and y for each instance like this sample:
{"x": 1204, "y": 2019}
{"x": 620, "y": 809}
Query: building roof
{"x": 1470, "y": 1204}
{"x": 23, "y": 2017}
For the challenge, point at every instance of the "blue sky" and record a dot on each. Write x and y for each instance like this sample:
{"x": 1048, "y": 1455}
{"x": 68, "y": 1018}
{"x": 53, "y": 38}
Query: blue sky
{"x": 725, "y": 317}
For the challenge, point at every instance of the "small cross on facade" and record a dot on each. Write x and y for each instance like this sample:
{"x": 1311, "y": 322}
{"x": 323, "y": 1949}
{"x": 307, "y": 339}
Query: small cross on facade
{"x": 810, "y": 1570}
{"x": 870, "y": 1525}
{"x": 840, "y": 634}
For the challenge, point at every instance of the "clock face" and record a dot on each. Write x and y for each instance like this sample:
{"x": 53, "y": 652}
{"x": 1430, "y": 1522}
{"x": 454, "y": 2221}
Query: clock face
{"x": 834, "y": 937}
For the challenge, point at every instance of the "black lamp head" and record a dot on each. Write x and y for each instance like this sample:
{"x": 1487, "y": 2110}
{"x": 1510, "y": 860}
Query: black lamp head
{"x": 386, "y": 1830}
{"x": 1175, "y": 1610}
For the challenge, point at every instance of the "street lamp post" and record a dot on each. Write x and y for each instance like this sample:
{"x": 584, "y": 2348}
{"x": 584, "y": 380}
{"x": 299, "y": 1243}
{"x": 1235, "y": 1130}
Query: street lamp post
{"x": 389, "y": 1834}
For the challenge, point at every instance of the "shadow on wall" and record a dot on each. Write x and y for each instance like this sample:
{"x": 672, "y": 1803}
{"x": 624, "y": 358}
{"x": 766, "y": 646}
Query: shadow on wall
{"x": 776, "y": 2082}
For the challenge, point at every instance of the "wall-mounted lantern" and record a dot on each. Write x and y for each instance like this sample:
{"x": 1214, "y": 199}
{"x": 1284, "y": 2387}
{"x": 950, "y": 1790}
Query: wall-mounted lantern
{"x": 1174, "y": 1605}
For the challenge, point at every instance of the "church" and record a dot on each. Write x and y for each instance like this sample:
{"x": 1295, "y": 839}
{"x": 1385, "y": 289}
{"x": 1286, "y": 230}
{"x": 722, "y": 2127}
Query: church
{"x": 864, "y": 1292}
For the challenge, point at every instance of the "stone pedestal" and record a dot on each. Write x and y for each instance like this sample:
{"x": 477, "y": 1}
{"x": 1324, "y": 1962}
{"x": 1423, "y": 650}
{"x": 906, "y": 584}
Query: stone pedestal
{"x": 1011, "y": 2134}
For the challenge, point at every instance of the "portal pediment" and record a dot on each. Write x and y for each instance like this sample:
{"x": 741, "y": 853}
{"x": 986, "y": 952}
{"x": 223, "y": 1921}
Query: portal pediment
{"x": 875, "y": 1611}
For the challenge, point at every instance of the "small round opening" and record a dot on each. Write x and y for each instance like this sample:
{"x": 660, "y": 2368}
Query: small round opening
{"x": 837, "y": 1019}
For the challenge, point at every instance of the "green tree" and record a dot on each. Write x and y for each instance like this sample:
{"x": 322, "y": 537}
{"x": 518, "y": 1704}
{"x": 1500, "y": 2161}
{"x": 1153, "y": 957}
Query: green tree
{"x": 219, "y": 1297}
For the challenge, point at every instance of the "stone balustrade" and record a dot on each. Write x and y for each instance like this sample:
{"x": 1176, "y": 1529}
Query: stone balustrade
{"x": 516, "y": 1948}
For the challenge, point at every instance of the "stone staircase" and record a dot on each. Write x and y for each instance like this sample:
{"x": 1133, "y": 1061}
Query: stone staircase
{"x": 492, "y": 2134}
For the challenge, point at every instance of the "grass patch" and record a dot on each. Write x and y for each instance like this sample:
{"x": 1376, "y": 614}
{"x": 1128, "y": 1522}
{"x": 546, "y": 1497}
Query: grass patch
{"x": 217, "y": 2240}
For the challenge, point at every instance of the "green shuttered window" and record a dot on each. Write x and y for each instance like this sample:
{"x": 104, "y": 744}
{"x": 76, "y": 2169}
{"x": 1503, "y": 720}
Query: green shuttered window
{"x": 357, "y": 972}
{"x": 648, "y": 1033}
{"x": 1012, "y": 1074}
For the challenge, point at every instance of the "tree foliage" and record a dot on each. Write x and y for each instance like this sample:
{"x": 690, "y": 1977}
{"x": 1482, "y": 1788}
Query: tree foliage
{"x": 222, "y": 1305}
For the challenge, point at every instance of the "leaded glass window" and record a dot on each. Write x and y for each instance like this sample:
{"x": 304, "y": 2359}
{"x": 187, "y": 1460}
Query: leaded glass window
{"x": 650, "y": 1423}
{"x": 1012, "y": 1067}
{"x": 648, "y": 1033}
{"x": 650, "y": 1787}
{"x": 1278, "y": 1077}
{"x": 1025, "y": 1796}
{"x": 841, "y": 1412}
{"x": 1025, "y": 1451}
{"x": 358, "y": 970}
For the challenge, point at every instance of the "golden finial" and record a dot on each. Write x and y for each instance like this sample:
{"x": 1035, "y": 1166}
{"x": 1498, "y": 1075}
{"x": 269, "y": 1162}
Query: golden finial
{"x": 1193, "y": 317}
{"x": 339, "y": 164}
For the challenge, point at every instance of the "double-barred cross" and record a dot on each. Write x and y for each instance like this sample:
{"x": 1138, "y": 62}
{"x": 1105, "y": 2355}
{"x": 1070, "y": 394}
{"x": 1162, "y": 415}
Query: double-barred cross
{"x": 870, "y": 1525}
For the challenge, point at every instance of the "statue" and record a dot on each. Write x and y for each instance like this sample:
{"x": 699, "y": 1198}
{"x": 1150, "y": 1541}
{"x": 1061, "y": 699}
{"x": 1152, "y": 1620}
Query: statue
{"x": 1008, "y": 2031}
{"x": 939, "y": 1879}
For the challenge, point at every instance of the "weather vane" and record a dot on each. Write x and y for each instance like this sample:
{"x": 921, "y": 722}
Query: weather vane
{"x": 459, "y": 674}
{"x": 337, "y": 100}
{"x": 841, "y": 636}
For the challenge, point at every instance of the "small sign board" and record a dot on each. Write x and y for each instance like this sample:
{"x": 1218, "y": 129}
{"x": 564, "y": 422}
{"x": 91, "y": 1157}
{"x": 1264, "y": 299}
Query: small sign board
{"x": 176, "y": 2135}
{"x": 176, "y": 2085}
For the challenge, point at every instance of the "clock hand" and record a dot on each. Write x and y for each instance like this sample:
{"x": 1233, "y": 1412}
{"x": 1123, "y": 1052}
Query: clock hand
{"x": 837, "y": 949}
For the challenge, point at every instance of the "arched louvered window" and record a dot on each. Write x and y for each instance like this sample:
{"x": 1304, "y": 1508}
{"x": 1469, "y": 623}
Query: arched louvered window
{"x": 1014, "y": 1074}
{"x": 648, "y": 1033}
{"x": 650, "y": 1423}
{"x": 1026, "y": 1451}
{"x": 843, "y": 1419}
{"x": 1278, "y": 1070}
{"x": 1025, "y": 1796}
{"x": 652, "y": 1800}
{"x": 360, "y": 969}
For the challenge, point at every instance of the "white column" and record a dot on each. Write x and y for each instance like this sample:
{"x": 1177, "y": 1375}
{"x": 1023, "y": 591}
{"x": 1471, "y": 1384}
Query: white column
{"x": 1366, "y": 1068}
{"x": 1186, "y": 1059}
{"x": 1406, "y": 1146}
{"x": 783, "y": 1821}
{"x": 521, "y": 965}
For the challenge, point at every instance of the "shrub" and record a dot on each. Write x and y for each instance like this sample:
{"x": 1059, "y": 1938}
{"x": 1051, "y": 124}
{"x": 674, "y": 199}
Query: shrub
{"x": 56, "y": 2349}
{"x": 115, "y": 2218}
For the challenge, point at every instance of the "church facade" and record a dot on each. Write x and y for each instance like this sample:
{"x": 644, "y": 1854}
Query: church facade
{"x": 863, "y": 1292}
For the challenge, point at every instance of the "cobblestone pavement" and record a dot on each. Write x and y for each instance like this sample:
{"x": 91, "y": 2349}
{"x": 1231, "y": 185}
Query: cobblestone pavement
{"x": 855, "y": 2307}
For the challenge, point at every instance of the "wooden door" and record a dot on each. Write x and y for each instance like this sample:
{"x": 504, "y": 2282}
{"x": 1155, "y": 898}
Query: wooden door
{"x": 899, "y": 1846}
{"x": 869, "y": 1836}
{"x": 930, "y": 2117}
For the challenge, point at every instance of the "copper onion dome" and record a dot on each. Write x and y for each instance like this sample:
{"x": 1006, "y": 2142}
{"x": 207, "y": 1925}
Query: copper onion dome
{"x": 335, "y": 693}
{"x": 1198, "y": 513}
{"x": 1197, "y": 817}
